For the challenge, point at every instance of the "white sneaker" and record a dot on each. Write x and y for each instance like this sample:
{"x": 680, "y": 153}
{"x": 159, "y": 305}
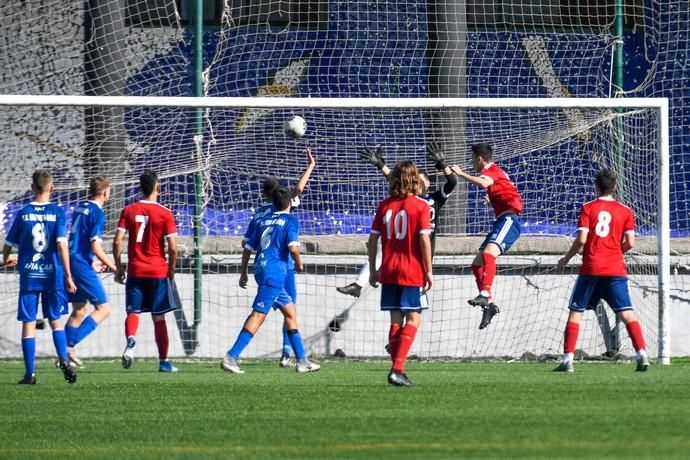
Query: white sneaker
{"x": 642, "y": 363}
{"x": 230, "y": 365}
{"x": 74, "y": 360}
{"x": 307, "y": 366}
{"x": 287, "y": 362}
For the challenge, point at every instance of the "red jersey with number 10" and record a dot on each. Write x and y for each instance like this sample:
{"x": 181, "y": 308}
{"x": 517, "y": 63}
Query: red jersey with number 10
{"x": 399, "y": 222}
{"x": 606, "y": 221}
{"x": 503, "y": 193}
{"x": 148, "y": 224}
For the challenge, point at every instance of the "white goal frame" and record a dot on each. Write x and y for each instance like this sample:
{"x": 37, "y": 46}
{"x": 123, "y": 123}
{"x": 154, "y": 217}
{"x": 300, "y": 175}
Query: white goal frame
{"x": 660, "y": 105}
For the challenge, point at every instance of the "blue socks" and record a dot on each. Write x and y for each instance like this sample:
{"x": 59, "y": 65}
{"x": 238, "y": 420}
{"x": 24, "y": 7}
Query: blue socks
{"x": 296, "y": 342}
{"x": 287, "y": 348}
{"x": 60, "y": 342}
{"x": 29, "y": 351}
{"x": 77, "y": 334}
{"x": 240, "y": 344}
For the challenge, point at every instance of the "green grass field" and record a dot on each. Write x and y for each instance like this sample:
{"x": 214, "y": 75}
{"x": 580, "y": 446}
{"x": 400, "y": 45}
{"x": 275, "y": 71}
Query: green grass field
{"x": 347, "y": 410}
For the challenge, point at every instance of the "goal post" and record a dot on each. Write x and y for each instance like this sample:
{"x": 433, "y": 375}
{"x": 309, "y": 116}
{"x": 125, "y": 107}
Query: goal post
{"x": 530, "y": 125}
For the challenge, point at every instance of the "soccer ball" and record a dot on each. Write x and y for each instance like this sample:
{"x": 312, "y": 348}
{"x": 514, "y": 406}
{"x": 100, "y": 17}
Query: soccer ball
{"x": 295, "y": 127}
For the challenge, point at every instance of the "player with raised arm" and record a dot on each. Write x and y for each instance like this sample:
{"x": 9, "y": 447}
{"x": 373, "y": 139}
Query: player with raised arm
{"x": 275, "y": 238}
{"x": 403, "y": 223}
{"x": 435, "y": 199}
{"x": 507, "y": 204}
{"x": 39, "y": 233}
{"x": 149, "y": 275}
{"x": 606, "y": 230}
{"x": 85, "y": 237}
{"x": 270, "y": 185}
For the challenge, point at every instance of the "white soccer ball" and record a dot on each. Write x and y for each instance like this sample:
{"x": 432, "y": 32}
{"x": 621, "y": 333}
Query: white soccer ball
{"x": 295, "y": 127}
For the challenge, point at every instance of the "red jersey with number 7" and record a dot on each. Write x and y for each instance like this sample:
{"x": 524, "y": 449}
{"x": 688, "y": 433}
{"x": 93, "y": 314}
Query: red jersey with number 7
{"x": 606, "y": 221}
{"x": 148, "y": 224}
{"x": 399, "y": 222}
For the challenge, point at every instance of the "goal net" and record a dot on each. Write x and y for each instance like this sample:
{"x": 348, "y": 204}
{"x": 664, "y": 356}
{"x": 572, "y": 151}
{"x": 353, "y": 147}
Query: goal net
{"x": 552, "y": 153}
{"x": 212, "y": 159}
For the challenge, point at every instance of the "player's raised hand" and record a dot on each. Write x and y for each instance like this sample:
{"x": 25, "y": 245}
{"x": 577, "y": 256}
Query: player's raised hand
{"x": 457, "y": 170}
{"x": 244, "y": 278}
{"x": 435, "y": 154}
{"x": 374, "y": 157}
{"x": 310, "y": 156}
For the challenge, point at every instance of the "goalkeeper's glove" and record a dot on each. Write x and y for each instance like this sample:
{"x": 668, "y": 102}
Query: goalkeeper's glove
{"x": 434, "y": 153}
{"x": 373, "y": 157}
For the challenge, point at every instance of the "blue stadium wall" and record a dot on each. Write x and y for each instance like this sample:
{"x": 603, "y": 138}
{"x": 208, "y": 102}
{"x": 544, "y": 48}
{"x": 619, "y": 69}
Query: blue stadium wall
{"x": 394, "y": 64}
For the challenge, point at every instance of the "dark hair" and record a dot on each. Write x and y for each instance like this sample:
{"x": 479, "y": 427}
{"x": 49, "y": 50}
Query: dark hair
{"x": 281, "y": 198}
{"x": 404, "y": 180}
{"x": 97, "y": 185}
{"x": 270, "y": 185}
{"x": 484, "y": 151}
{"x": 605, "y": 181}
{"x": 148, "y": 181}
{"x": 41, "y": 179}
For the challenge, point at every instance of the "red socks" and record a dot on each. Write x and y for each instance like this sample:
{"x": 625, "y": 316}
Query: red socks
{"x": 394, "y": 338}
{"x": 160, "y": 330}
{"x": 635, "y": 333}
{"x": 478, "y": 271}
{"x": 131, "y": 325}
{"x": 489, "y": 271}
{"x": 572, "y": 330}
{"x": 406, "y": 338}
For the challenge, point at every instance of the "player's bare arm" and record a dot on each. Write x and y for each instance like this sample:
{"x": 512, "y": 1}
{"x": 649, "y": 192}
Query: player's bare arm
{"x": 8, "y": 259}
{"x": 63, "y": 253}
{"x": 100, "y": 254}
{"x": 297, "y": 257}
{"x": 244, "y": 267}
{"x": 172, "y": 256}
{"x": 628, "y": 241}
{"x": 578, "y": 243}
{"x": 302, "y": 182}
{"x": 372, "y": 245}
{"x": 375, "y": 157}
{"x": 117, "y": 256}
{"x": 481, "y": 181}
{"x": 425, "y": 245}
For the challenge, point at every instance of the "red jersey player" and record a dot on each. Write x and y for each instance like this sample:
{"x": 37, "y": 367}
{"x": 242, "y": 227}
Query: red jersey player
{"x": 507, "y": 204}
{"x": 403, "y": 222}
{"x": 606, "y": 229}
{"x": 149, "y": 276}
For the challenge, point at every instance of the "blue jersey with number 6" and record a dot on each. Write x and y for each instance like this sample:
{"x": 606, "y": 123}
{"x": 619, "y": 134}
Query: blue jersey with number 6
{"x": 35, "y": 233}
{"x": 271, "y": 238}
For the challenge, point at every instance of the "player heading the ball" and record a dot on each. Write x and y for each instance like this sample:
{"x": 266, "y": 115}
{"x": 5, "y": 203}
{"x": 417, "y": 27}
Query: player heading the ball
{"x": 403, "y": 223}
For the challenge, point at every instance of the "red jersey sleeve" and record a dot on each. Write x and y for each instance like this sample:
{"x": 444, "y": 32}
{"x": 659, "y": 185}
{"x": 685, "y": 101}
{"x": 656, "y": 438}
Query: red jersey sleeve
{"x": 629, "y": 225}
{"x": 169, "y": 229}
{"x": 583, "y": 220}
{"x": 124, "y": 221}
{"x": 377, "y": 224}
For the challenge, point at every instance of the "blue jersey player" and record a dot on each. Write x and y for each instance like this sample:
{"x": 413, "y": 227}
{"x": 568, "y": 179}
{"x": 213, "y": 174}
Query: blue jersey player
{"x": 39, "y": 233}
{"x": 275, "y": 239}
{"x": 270, "y": 185}
{"x": 85, "y": 248}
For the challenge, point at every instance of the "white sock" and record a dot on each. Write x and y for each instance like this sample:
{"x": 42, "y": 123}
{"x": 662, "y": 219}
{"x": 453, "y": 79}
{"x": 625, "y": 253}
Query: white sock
{"x": 568, "y": 357}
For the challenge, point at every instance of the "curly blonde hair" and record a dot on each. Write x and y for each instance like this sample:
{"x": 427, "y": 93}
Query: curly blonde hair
{"x": 404, "y": 180}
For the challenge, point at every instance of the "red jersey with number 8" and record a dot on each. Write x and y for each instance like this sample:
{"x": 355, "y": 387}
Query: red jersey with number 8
{"x": 148, "y": 224}
{"x": 606, "y": 221}
{"x": 399, "y": 222}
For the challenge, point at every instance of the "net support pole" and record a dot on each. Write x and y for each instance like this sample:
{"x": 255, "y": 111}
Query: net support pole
{"x": 664, "y": 235}
{"x": 198, "y": 152}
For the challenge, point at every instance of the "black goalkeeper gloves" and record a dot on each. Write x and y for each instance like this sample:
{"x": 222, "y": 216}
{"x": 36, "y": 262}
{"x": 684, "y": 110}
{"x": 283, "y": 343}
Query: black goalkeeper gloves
{"x": 373, "y": 157}
{"x": 434, "y": 153}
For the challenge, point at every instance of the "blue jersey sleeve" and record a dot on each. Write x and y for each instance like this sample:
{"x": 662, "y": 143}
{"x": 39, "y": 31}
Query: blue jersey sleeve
{"x": 12, "y": 238}
{"x": 61, "y": 227}
{"x": 96, "y": 231}
{"x": 253, "y": 238}
{"x": 293, "y": 232}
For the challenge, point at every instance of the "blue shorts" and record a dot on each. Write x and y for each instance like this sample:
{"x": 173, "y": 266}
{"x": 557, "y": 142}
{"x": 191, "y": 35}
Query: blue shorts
{"x": 53, "y": 303}
{"x": 590, "y": 289}
{"x": 268, "y": 297}
{"x": 291, "y": 285}
{"x": 505, "y": 232}
{"x": 89, "y": 288}
{"x": 149, "y": 295}
{"x": 404, "y": 298}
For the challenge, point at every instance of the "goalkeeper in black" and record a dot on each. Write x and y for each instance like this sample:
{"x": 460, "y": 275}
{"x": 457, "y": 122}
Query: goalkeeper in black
{"x": 435, "y": 200}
